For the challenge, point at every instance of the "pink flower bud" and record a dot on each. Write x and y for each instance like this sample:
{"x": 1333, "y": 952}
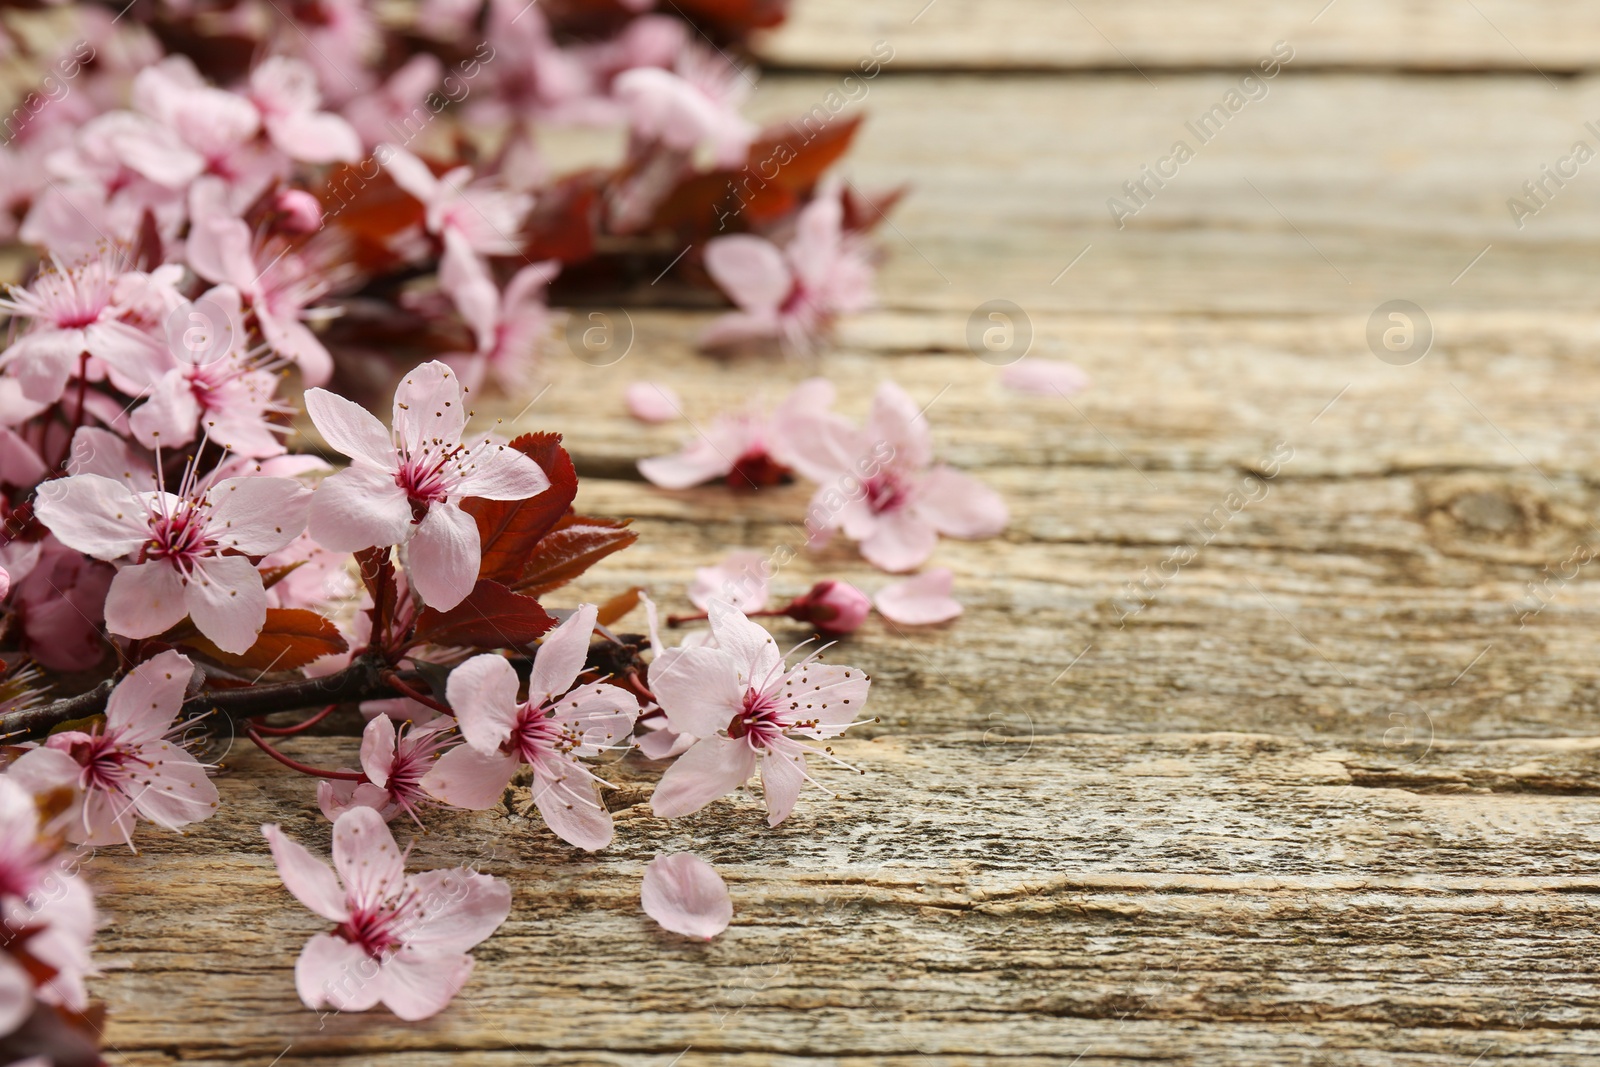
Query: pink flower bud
{"x": 300, "y": 210}
{"x": 834, "y": 608}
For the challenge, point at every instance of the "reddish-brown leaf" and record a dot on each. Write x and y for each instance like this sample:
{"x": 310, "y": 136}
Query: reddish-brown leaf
{"x": 619, "y": 605}
{"x": 783, "y": 164}
{"x": 565, "y": 218}
{"x": 577, "y": 543}
{"x": 508, "y": 530}
{"x": 492, "y": 616}
{"x": 292, "y": 637}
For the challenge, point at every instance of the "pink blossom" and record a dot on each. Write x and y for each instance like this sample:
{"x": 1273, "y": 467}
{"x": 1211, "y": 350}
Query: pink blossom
{"x": 60, "y": 603}
{"x": 921, "y": 600}
{"x": 40, "y": 897}
{"x": 342, "y": 44}
{"x": 277, "y": 283}
{"x": 187, "y": 552}
{"x": 134, "y": 765}
{"x": 686, "y": 895}
{"x": 509, "y": 328}
{"x": 284, "y": 91}
{"x": 208, "y": 384}
{"x": 320, "y": 578}
{"x": 401, "y": 940}
{"x": 740, "y": 580}
{"x": 1044, "y": 377}
{"x": 26, "y": 859}
{"x": 883, "y": 489}
{"x": 395, "y": 764}
{"x": 378, "y": 115}
{"x": 792, "y": 294}
{"x": 747, "y": 709}
{"x": 205, "y": 130}
{"x": 694, "y": 105}
{"x": 483, "y": 216}
{"x": 550, "y": 731}
{"x": 653, "y": 402}
{"x": 404, "y": 487}
{"x": 75, "y": 311}
{"x": 748, "y": 449}
{"x": 835, "y": 608}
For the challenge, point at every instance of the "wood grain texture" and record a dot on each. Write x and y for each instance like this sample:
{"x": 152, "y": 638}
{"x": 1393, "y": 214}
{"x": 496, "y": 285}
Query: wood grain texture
{"x": 1329, "y": 796}
{"x": 1331, "y": 194}
{"x": 1154, "y": 35}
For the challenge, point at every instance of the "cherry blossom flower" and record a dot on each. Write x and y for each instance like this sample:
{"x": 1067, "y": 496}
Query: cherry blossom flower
{"x": 277, "y": 282}
{"x": 696, "y": 104}
{"x": 205, "y": 130}
{"x": 60, "y": 603}
{"x": 550, "y": 731}
{"x": 484, "y": 217}
{"x": 284, "y": 91}
{"x": 686, "y": 895}
{"x": 653, "y": 402}
{"x": 510, "y": 328}
{"x": 134, "y": 765}
{"x": 740, "y": 581}
{"x": 187, "y": 551}
{"x": 377, "y": 116}
{"x": 1044, "y": 377}
{"x": 75, "y": 311}
{"x": 792, "y": 294}
{"x": 206, "y": 383}
{"x": 404, "y": 487}
{"x": 748, "y": 710}
{"x": 748, "y": 449}
{"x": 919, "y": 601}
{"x": 395, "y": 764}
{"x": 401, "y": 940}
{"x": 40, "y": 898}
{"x": 904, "y": 501}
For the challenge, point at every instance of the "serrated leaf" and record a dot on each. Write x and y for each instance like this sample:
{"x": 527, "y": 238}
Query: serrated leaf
{"x": 491, "y": 616}
{"x": 577, "y": 543}
{"x": 509, "y": 530}
{"x": 291, "y": 638}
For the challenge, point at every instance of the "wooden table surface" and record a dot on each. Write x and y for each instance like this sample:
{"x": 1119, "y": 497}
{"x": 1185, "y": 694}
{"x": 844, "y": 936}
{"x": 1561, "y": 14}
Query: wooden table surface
{"x": 1328, "y": 797}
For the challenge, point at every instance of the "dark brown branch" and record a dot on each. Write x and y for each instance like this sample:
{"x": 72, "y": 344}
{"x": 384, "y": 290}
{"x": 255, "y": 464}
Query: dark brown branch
{"x": 362, "y": 680}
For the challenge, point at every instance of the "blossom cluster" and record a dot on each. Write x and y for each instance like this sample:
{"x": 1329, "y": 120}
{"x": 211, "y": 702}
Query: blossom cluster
{"x": 249, "y": 233}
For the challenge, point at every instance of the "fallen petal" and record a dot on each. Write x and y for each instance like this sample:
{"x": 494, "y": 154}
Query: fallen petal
{"x": 686, "y": 895}
{"x": 653, "y": 402}
{"x": 919, "y": 601}
{"x": 1045, "y": 377}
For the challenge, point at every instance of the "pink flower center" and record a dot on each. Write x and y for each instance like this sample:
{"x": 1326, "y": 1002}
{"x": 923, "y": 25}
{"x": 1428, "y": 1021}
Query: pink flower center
{"x": 538, "y": 735}
{"x": 760, "y": 720}
{"x": 179, "y": 538}
{"x": 105, "y": 763}
{"x": 376, "y": 928}
{"x": 885, "y": 492}
{"x": 413, "y": 758}
{"x": 427, "y": 479}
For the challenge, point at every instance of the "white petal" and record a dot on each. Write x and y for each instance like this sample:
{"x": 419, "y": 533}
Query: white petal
{"x": 94, "y": 515}
{"x": 227, "y": 602}
{"x": 442, "y": 557}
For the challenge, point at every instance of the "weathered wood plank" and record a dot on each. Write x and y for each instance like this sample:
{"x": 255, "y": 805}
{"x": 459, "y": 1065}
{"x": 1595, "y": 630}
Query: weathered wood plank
{"x": 1321, "y": 800}
{"x": 1333, "y": 193}
{"x": 1168, "y": 896}
{"x": 1159, "y": 35}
